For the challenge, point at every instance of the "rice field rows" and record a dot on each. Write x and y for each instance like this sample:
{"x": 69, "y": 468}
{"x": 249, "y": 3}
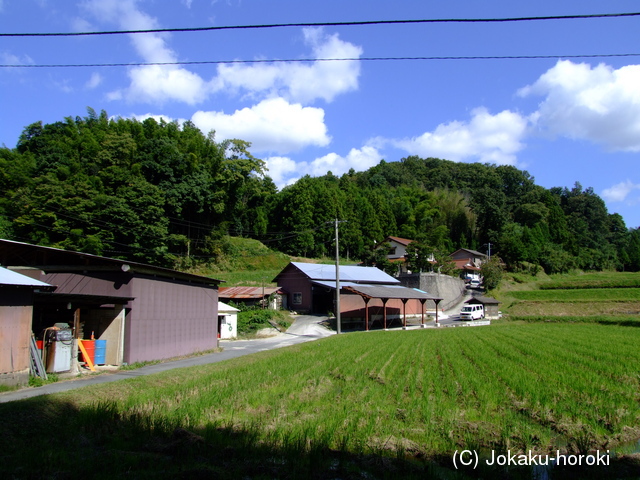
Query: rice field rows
{"x": 427, "y": 393}
{"x": 348, "y": 406}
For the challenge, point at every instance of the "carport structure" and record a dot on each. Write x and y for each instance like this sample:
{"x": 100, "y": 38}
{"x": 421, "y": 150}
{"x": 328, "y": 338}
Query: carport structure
{"x": 392, "y": 292}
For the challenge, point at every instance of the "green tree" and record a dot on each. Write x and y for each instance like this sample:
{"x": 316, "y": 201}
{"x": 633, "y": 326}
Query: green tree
{"x": 492, "y": 272}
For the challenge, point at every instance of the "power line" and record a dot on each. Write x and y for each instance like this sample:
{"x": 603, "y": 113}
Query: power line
{"x": 327, "y": 24}
{"x": 311, "y": 60}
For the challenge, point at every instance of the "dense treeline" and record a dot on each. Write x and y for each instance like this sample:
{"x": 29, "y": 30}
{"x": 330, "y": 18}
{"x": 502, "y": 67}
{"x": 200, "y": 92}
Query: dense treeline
{"x": 166, "y": 194}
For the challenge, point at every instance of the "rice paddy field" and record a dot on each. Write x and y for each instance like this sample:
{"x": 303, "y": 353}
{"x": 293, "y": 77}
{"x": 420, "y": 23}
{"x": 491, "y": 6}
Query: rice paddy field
{"x": 394, "y": 404}
{"x": 584, "y": 295}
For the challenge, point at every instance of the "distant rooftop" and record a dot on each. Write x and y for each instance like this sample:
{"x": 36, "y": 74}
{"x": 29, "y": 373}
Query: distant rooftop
{"x": 348, "y": 273}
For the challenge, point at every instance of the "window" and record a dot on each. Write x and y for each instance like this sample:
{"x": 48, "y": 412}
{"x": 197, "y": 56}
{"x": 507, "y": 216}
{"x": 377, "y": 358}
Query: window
{"x": 297, "y": 298}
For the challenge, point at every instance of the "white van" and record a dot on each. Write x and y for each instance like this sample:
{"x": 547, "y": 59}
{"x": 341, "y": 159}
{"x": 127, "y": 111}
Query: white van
{"x": 472, "y": 312}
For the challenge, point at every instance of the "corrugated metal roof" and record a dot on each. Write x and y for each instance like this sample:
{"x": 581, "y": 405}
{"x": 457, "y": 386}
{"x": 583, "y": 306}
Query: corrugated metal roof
{"x": 348, "y": 273}
{"x": 246, "y": 292}
{"x": 9, "y": 277}
{"x": 391, "y": 291}
{"x": 380, "y": 291}
{"x": 55, "y": 260}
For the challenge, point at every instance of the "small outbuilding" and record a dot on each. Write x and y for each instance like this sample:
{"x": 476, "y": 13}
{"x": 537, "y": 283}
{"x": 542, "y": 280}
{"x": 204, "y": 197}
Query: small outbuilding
{"x": 227, "y": 321}
{"x": 265, "y": 297}
{"x": 16, "y": 311}
{"x": 490, "y": 305}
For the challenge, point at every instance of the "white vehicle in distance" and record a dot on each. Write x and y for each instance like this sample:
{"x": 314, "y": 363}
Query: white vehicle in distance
{"x": 472, "y": 312}
{"x": 474, "y": 283}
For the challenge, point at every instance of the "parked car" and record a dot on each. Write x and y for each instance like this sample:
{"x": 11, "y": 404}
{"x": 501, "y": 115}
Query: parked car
{"x": 475, "y": 283}
{"x": 472, "y": 312}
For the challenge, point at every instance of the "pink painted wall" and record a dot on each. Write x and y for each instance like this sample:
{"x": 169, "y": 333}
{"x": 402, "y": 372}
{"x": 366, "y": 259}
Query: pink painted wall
{"x": 166, "y": 318}
{"x": 170, "y": 319}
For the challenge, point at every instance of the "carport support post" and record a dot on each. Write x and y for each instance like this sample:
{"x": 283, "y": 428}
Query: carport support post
{"x": 384, "y": 311}
{"x": 366, "y": 313}
{"x": 422, "y": 303}
{"x": 437, "y": 302}
{"x": 404, "y": 313}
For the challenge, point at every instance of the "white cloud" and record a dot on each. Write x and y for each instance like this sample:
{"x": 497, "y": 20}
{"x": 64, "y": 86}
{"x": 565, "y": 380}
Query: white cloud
{"x": 620, "y": 191}
{"x": 11, "y": 59}
{"x": 94, "y": 81}
{"x": 297, "y": 81}
{"x": 273, "y": 125}
{"x": 156, "y": 83}
{"x": 157, "y": 118}
{"x": 488, "y": 138}
{"x": 599, "y": 104}
{"x": 282, "y": 170}
{"x": 285, "y": 171}
{"x": 358, "y": 159}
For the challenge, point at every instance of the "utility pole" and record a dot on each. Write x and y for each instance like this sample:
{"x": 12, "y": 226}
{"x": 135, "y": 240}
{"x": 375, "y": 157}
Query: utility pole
{"x": 338, "y": 319}
{"x": 489, "y": 250}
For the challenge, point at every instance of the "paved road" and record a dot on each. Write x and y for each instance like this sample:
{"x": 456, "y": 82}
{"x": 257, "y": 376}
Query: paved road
{"x": 304, "y": 329}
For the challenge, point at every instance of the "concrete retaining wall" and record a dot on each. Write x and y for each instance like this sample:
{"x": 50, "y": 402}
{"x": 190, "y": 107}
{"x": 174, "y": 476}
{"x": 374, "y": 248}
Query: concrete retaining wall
{"x": 451, "y": 290}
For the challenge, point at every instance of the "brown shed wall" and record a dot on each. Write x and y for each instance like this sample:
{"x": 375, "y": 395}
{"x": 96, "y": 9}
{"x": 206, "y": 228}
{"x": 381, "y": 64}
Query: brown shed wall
{"x": 293, "y": 281}
{"x": 169, "y": 319}
{"x": 16, "y": 310}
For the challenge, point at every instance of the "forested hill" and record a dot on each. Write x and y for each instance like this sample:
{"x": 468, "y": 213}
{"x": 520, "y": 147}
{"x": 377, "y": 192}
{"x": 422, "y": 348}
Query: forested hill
{"x": 167, "y": 194}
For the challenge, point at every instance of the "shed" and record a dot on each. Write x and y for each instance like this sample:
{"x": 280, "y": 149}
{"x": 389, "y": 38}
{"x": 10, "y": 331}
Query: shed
{"x": 490, "y": 305}
{"x": 269, "y": 297}
{"x": 227, "y": 321}
{"x": 16, "y": 311}
{"x": 365, "y": 292}
{"x": 144, "y": 312}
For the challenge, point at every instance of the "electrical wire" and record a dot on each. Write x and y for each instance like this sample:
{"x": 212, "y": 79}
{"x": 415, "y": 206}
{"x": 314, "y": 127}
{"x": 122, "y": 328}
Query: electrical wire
{"x": 311, "y": 60}
{"x": 328, "y": 24}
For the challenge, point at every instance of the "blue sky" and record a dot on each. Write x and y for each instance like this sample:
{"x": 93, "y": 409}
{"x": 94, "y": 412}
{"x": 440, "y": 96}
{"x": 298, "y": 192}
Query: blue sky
{"x": 563, "y": 120}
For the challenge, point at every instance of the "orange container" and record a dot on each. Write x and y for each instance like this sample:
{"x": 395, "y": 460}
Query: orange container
{"x": 90, "y": 347}
{"x": 39, "y": 344}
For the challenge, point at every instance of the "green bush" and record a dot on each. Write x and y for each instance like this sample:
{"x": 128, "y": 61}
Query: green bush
{"x": 249, "y": 321}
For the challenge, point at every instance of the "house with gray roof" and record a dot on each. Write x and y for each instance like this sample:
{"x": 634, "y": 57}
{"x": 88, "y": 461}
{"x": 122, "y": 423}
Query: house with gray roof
{"x": 365, "y": 292}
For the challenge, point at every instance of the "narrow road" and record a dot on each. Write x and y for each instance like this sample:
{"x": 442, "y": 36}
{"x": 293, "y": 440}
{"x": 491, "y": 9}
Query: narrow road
{"x": 304, "y": 329}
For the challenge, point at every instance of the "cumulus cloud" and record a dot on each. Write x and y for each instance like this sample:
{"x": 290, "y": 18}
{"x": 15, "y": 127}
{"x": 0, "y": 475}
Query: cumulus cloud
{"x": 599, "y": 104}
{"x": 282, "y": 170}
{"x": 285, "y": 171}
{"x": 488, "y": 138}
{"x": 620, "y": 191}
{"x": 358, "y": 159}
{"x": 156, "y": 83}
{"x": 157, "y": 118}
{"x": 297, "y": 81}
{"x": 273, "y": 125}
